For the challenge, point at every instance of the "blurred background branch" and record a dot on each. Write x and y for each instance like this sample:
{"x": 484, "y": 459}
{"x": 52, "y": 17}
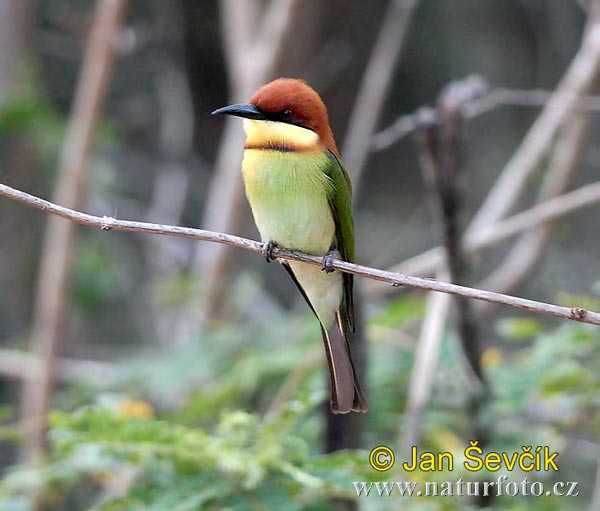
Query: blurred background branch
{"x": 552, "y": 209}
{"x": 23, "y": 365}
{"x": 57, "y": 253}
{"x": 374, "y": 87}
{"x": 525, "y": 162}
{"x": 253, "y": 49}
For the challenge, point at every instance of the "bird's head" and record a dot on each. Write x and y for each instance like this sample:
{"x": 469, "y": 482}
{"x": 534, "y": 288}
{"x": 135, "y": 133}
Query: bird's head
{"x": 285, "y": 104}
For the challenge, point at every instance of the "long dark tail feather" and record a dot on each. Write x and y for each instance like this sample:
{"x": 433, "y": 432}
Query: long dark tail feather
{"x": 346, "y": 394}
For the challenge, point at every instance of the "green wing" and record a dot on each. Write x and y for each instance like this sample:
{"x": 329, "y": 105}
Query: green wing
{"x": 340, "y": 202}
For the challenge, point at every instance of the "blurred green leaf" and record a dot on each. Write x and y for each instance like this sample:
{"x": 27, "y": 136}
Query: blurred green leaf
{"x": 519, "y": 328}
{"x": 399, "y": 311}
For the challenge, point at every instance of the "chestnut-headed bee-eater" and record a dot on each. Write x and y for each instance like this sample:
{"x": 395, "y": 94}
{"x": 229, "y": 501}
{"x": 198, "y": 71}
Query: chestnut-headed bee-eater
{"x": 301, "y": 199}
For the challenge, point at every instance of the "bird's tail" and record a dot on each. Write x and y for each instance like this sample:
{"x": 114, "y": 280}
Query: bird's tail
{"x": 346, "y": 394}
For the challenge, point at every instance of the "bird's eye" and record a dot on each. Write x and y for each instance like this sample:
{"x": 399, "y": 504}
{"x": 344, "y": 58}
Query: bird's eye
{"x": 286, "y": 113}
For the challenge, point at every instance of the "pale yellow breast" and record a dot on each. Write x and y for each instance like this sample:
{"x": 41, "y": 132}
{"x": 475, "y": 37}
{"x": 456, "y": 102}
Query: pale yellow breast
{"x": 289, "y": 196}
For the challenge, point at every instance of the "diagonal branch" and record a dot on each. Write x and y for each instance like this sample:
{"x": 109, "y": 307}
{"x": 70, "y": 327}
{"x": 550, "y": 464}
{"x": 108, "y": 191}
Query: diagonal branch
{"x": 271, "y": 32}
{"x": 529, "y": 248}
{"x": 375, "y": 85}
{"x": 425, "y": 263}
{"x": 565, "y": 161}
{"x": 481, "y": 103}
{"x": 250, "y": 65}
{"x": 524, "y": 163}
{"x": 569, "y": 97}
{"x": 107, "y": 223}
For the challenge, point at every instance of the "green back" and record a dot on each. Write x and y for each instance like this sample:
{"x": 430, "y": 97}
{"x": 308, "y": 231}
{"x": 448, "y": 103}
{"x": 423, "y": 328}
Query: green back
{"x": 340, "y": 201}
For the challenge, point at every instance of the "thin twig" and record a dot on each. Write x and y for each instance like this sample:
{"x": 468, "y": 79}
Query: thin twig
{"x": 107, "y": 223}
{"x": 424, "y": 367}
{"x": 440, "y": 158}
{"x": 525, "y": 161}
{"x": 529, "y": 248}
{"x": 565, "y": 160}
{"x": 375, "y": 85}
{"x": 425, "y": 263}
{"x": 485, "y": 102}
{"x": 472, "y": 90}
{"x": 447, "y": 179}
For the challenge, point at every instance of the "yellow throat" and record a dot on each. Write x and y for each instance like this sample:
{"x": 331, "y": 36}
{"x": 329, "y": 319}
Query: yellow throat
{"x": 279, "y": 135}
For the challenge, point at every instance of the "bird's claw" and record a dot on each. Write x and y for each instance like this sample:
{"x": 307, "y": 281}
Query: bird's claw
{"x": 268, "y": 251}
{"x": 327, "y": 262}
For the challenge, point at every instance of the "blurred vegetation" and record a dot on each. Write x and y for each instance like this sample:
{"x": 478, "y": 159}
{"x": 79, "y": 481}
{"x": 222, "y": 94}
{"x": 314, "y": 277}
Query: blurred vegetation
{"x": 149, "y": 443}
{"x": 233, "y": 420}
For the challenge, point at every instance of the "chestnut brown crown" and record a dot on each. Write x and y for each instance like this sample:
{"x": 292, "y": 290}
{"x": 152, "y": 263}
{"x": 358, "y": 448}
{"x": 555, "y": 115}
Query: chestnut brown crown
{"x": 293, "y": 101}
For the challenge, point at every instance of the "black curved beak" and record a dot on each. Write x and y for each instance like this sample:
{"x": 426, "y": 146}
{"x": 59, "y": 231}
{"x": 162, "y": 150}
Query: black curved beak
{"x": 241, "y": 110}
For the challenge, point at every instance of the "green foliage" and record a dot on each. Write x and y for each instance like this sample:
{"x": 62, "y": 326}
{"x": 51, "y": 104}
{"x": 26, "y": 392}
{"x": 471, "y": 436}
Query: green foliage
{"x": 32, "y": 114}
{"x": 18, "y": 114}
{"x": 225, "y": 440}
{"x": 519, "y": 328}
{"x": 245, "y": 462}
{"x": 95, "y": 275}
{"x": 396, "y": 313}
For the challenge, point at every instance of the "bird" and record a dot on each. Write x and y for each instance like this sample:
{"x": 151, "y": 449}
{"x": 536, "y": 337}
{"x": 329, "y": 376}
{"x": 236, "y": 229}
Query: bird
{"x": 300, "y": 195}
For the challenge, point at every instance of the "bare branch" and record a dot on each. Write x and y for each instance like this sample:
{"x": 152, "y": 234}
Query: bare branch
{"x": 525, "y": 97}
{"x": 425, "y": 263}
{"x": 271, "y": 33}
{"x": 472, "y": 90}
{"x": 50, "y": 297}
{"x": 375, "y": 85}
{"x": 424, "y": 367}
{"x": 396, "y": 279}
{"x": 440, "y": 156}
{"x": 238, "y": 22}
{"x": 524, "y": 163}
{"x": 564, "y": 163}
{"x": 446, "y": 187}
{"x": 483, "y": 101}
{"x": 570, "y": 96}
{"x": 529, "y": 248}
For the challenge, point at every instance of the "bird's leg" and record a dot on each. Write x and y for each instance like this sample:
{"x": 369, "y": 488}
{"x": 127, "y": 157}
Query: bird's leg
{"x": 328, "y": 258}
{"x": 268, "y": 251}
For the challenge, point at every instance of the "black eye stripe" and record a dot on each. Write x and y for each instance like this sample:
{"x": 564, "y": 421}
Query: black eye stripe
{"x": 285, "y": 116}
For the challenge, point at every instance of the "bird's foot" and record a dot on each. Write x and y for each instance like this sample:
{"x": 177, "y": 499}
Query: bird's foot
{"x": 327, "y": 261}
{"x": 268, "y": 251}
